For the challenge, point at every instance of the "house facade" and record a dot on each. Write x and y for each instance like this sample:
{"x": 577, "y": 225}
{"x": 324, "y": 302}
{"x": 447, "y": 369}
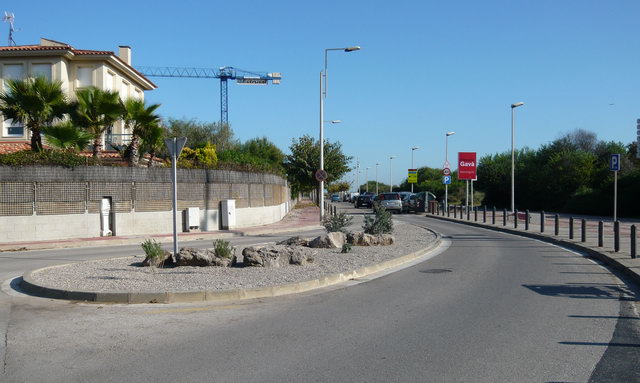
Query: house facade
{"x": 75, "y": 69}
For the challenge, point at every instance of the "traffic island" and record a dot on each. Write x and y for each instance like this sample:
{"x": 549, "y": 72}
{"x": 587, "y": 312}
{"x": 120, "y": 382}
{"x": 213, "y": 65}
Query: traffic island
{"x": 123, "y": 280}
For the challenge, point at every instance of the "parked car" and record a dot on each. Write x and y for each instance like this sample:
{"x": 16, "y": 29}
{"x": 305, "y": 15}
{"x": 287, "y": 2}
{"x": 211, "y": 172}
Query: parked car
{"x": 418, "y": 203}
{"x": 335, "y": 198}
{"x": 405, "y": 200}
{"x": 364, "y": 200}
{"x": 390, "y": 201}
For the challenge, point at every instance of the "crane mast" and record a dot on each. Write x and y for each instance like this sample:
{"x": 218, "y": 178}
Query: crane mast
{"x": 226, "y": 73}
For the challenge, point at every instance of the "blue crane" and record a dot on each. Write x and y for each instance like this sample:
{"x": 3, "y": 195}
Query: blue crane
{"x": 225, "y": 73}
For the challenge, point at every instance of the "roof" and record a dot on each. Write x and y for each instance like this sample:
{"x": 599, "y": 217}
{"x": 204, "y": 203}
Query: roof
{"x": 69, "y": 48}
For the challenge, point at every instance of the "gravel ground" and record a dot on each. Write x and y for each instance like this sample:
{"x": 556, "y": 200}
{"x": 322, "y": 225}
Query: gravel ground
{"x": 121, "y": 274}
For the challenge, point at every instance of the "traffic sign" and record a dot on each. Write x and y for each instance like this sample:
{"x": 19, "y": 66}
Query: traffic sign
{"x": 446, "y": 165}
{"x": 321, "y": 175}
{"x": 412, "y": 178}
{"x": 175, "y": 145}
{"x": 614, "y": 163}
{"x": 467, "y": 166}
{"x": 446, "y": 172}
{"x": 446, "y": 180}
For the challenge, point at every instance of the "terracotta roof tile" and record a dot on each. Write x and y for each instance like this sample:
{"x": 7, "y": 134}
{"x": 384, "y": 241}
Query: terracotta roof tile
{"x": 14, "y": 146}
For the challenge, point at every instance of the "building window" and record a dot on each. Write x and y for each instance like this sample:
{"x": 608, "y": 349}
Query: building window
{"x": 12, "y": 72}
{"x": 108, "y": 85}
{"x": 85, "y": 77}
{"x": 41, "y": 70}
{"x": 13, "y": 129}
{"x": 124, "y": 90}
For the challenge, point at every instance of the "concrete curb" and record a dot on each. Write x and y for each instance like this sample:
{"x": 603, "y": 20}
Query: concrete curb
{"x": 29, "y": 285}
{"x": 615, "y": 260}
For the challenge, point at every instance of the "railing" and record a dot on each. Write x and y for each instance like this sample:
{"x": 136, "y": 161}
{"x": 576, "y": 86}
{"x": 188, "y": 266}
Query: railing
{"x": 113, "y": 141}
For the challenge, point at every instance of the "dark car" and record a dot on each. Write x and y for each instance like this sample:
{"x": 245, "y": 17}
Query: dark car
{"x": 404, "y": 196}
{"x": 365, "y": 199}
{"x": 418, "y": 202}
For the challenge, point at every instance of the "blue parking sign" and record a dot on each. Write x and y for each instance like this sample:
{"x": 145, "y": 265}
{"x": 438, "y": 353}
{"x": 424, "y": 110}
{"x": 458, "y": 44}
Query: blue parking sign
{"x": 446, "y": 180}
{"x": 614, "y": 163}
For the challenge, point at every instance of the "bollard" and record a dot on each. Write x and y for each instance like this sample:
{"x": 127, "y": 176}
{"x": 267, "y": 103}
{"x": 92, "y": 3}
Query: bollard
{"x": 633, "y": 241}
{"x": 542, "y": 221}
{"x": 493, "y": 219}
{"x": 504, "y": 217}
{"x": 335, "y": 210}
{"x": 475, "y": 214}
{"x": 570, "y": 227}
{"x": 616, "y": 236}
{"x": 455, "y": 211}
{"x": 448, "y": 211}
{"x": 583, "y": 230}
{"x": 484, "y": 214}
{"x": 600, "y": 234}
{"x": 527, "y": 217}
{"x": 515, "y": 219}
{"x": 557, "y": 224}
{"x": 469, "y": 213}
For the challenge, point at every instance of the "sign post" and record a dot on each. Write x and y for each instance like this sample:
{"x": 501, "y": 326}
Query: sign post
{"x": 467, "y": 171}
{"x": 446, "y": 171}
{"x": 412, "y": 177}
{"x": 614, "y": 166}
{"x": 175, "y": 145}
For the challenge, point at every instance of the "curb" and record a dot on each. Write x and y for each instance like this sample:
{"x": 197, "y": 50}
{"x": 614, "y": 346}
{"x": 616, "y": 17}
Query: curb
{"x": 605, "y": 258}
{"x": 30, "y": 286}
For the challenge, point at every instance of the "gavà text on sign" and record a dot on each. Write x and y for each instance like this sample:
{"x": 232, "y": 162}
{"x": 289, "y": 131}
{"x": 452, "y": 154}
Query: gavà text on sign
{"x": 467, "y": 166}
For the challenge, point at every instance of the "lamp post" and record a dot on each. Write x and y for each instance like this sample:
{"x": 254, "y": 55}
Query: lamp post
{"x": 377, "y": 164}
{"x": 366, "y": 177}
{"x": 446, "y": 161}
{"x": 412, "y": 150}
{"x": 323, "y": 95}
{"x": 391, "y": 173}
{"x": 513, "y": 155}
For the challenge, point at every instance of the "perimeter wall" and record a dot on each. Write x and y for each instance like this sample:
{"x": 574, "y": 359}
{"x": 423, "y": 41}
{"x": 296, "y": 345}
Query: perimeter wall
{"x": 43, "y": 203}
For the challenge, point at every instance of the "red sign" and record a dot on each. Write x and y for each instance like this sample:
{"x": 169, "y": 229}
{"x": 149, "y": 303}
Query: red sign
{"x": 467, "y": 165}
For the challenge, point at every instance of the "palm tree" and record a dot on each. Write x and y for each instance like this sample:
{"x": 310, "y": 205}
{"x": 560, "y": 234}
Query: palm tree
{"x": 152, "y": 140}
{"x": 95, "y": 111}
{"x": 34, "y": 102}
{"x": 67, "y": 136}
{"x": 138, "y": 119}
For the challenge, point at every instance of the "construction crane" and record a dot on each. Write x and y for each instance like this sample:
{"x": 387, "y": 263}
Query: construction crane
{"x": 225, "y": 73}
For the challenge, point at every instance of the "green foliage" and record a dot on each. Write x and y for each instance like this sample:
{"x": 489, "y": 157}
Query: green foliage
{"x": 152, "y": 249}
{"x": 338, "y": 187}
{"x": 67, "y": 136}
{"x": 304, "y": 161}
{"x": 204, "y": 157}
{"x": 239, "y": 159}
{"x": 380, "y": 223}
{"x": 223, "y": 249}
{"x": 152, "y": 141}
{"x": 199, "y": 134}
{"x": 338, "y": 222}
{"x": 346, "y": 248}
{"x": 96, "y": 110}
{"x": 34, "y": 102}
{"x": 141, "y": 120}
{"x": 45, "y": 157}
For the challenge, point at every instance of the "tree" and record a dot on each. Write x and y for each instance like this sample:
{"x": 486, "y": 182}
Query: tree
{"x": 67, "y": 136}
{"x": 95, "y": 111}
{"x": 200, "y": 134}
{"x": 265, "y": 149}
{"x": 152, "y": 141}
{"x": 304, "y": 160}
{"x": 338, "y": 187}
{"x": 34, "y": 102}
{"x": 138, "y": 118}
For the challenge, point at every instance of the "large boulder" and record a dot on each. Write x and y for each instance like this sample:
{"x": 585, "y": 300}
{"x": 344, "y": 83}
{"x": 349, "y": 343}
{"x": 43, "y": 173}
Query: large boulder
{"x": 294, "y": 241}
{"x": 333, "y": 240}
{"x": 163, "y": 261}
{"x": 359, "y": 238}
{"x": 276, "y": 255}
{"x": 189, "y": 256}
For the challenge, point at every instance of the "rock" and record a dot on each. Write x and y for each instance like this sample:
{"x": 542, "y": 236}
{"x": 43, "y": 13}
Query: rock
{"x": 164, "y": 261}
{"x": 363, "y": 239}
{"x": 333, "y": 240}
{"x": 276, "y": 255}
{"x": 294, "y": 241}
{"x": 189, "y": 256}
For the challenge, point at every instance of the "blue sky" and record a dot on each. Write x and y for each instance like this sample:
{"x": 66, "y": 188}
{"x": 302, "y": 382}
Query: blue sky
{"x": 426, "y": 67}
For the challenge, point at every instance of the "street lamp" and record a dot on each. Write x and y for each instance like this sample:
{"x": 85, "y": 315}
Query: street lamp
{"x": 377, "y": 164}
{"x": 446, "y": 162}
{"x": 323, "y": 95}
{"x": 513, "y": 155}
{"x": 412, "y": 150}
{"x": 366, "y": 177}
{"x": 391, "y": 173}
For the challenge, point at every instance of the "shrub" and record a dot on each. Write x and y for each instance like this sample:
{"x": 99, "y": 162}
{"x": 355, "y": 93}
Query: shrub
{"x": 338, "y": 222}
{"x": 45, "y": 158}
{"x": 223, "y": 249}
{"x": 346, "y": 248}
{"x": 380, "y": 223}
{"x": 153, "y": 251}
{"x": 205, "y": 157}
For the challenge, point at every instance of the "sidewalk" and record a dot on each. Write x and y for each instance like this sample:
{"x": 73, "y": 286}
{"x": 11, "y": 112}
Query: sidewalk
{"x": 302, "y": 219}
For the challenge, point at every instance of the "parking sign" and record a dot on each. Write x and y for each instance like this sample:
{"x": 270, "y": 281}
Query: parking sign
{"x": 446, "y": 180}
{"x": 614, "y": 163}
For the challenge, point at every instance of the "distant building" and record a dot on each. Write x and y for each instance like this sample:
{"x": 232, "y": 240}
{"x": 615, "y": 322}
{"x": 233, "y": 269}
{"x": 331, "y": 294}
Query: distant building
{"x": 76, "y": 69}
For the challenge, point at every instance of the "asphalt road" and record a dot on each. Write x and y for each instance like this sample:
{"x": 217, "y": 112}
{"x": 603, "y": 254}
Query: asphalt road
{"x": 490, "y": 308}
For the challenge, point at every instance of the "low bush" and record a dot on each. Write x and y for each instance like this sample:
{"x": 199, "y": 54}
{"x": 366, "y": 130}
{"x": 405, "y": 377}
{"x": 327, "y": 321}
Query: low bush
{"x": 346, "y": 248}
{"x": 380, "y": 223}
{"x": 338, "y": 222}
{"x": 223, "y": 249}
{"x": 45, "y": 157}
{"x": 152, "y": 249}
